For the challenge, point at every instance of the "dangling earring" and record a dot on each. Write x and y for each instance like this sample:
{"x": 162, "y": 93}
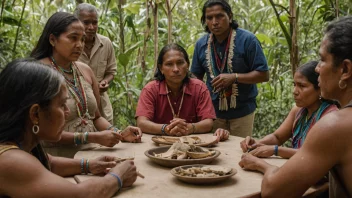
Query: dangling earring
{"x": 35, "y": 129}
{"x": 342, "y": 87}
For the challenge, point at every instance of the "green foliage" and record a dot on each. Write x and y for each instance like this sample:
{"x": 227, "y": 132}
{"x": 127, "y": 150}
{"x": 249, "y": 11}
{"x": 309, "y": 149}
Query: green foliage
{"x": 127, "y": 30}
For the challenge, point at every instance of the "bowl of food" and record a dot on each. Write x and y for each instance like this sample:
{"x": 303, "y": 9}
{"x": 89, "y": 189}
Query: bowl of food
{"x": 181, "y": 154}
{"x": 203, "y": 174}
{"x": 201, "y": 140}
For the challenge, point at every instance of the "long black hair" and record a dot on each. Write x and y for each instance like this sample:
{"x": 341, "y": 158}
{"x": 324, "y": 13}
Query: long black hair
{"x": 56, "y": 25}
{"x": 172, "y": 46}
{"x": 24, "y": 82}
{"x": 339, "y": 35}
{"x": 225, "y": 6}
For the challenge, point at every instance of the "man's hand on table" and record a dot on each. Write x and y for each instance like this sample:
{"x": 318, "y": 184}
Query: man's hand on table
{"x": 178, "y": 127}
{"x": 222, "y": 134}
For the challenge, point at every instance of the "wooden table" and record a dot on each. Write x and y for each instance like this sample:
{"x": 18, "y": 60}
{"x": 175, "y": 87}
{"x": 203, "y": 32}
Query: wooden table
{"x": 159, "y": 182}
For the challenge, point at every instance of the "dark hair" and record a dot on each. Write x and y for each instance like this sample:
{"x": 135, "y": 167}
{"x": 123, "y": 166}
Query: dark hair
{"x": 339, "y": 35}
{"x": 24, "y": 82}
{"x": 56, "y": 25}
{"x": 172, "y": 46}
{"x": 225, "y": 6}
{"x": 308, "y": 70}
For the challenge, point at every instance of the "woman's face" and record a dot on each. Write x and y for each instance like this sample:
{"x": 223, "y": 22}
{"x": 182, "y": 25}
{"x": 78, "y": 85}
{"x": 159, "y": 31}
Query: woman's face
{"x": 304, "y": 92}
{"x": 52, "y": 119}
{"x": 174, "y": 67}
{"x": 69, "y": 45}
{"x": 328, "y": 75}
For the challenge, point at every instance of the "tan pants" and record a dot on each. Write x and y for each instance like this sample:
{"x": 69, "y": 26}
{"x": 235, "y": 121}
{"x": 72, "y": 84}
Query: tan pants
{"x": 239, "y": 127}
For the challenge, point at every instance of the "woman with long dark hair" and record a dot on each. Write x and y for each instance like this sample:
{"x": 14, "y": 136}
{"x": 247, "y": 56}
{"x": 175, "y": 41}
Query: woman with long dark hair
{"x": 33, "y": 108}
{"x": 59, "y": 47}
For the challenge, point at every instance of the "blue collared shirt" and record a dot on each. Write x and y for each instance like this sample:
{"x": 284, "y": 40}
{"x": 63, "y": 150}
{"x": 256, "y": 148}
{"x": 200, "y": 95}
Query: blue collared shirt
{"x": 248, "y": 56}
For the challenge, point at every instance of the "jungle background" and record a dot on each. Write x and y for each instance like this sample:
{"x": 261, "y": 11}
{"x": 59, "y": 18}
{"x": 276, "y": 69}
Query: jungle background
{"x": 290, "y": 32}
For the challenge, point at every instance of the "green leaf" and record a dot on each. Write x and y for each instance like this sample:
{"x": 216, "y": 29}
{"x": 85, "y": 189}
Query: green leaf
{"x": 264, "y": 39}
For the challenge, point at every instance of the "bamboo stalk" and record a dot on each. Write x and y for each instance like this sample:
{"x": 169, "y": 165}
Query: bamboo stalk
{"x": 18, "y": 30}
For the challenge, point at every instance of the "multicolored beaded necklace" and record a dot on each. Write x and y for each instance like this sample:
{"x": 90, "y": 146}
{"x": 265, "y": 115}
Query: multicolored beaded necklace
{"x": 76, "y": 90}
{"x": 220, "y": 65}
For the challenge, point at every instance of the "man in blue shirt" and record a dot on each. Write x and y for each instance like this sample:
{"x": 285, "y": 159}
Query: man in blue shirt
{"x": 234, "y": 62}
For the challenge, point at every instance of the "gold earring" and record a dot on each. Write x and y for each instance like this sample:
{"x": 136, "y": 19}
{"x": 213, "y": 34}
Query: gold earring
{"x": 344, "y": 86}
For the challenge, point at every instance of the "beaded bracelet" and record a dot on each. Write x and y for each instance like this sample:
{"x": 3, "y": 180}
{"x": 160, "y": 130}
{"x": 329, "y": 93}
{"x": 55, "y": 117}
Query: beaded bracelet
{"x": 85, "y": 139}
{"x": 276, "y": 150}
{"x": 82, "y": 166}
{"x": 163, "y": 129}
{"x": 119, "y": 181}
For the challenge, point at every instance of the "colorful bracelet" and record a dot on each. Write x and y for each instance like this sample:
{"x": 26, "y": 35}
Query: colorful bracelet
{"x": 119, "y": 181}
{"x": 85, "y": 139}
{"x": 276, "y": 150}
{"x": 163, "y": 129}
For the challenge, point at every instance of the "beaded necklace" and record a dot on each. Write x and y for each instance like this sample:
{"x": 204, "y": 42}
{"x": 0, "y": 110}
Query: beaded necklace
{"x": 179, "y": 107}
{"x": 76, "y": 90}
{"x": 69, "y": 71}
{"x": 220, "y": 65}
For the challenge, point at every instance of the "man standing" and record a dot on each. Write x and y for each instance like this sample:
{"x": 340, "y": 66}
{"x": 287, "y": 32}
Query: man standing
{"x": 234, "y": 62}
{"x": 99, "y": 54}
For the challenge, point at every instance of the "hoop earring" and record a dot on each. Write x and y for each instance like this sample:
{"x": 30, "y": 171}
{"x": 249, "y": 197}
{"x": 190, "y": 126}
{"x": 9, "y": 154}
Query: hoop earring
{"x": 35, "y": 129}
{"x": 342, "y": 87}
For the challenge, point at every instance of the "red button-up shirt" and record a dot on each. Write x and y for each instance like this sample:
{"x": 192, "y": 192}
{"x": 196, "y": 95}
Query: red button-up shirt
{"x": 154, "y": 105}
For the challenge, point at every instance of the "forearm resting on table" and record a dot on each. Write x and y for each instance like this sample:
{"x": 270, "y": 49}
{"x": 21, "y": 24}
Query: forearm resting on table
{"x": 68, "y": 137}
{"x": 285, "y": 152}
{"x": 103, "y": 187}
{"x": 203, "y": 126}
{"x": 65, "y": 166}
{"x": 148, "y": 126}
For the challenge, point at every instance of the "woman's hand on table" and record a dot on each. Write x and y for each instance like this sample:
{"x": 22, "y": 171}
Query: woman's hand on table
{"x": 177, "y": 127}
{"x": 132, "y": 134}
{"x": 248, "y": 144}
{"x": 127, "y": 172}
{"x": 106, "y": 138}
{"x": 263, "y": 151}
{"x": 222, "y": 134}
{"x": 101, "y": 164}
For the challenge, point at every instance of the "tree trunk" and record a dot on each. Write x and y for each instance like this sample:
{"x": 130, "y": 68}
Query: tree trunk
{"x": 294, "y": 47}
{"x": 146, "y": 37}
{"x": 156, "y": 36}
{"x": 169, "y": 19}
{"x": 18, "y": 30}
{"x": 337, "y": 8}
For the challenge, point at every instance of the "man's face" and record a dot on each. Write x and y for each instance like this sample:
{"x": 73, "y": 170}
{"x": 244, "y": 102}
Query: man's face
{"x": 90, "y": 22}
{"x": 217, "y": 20}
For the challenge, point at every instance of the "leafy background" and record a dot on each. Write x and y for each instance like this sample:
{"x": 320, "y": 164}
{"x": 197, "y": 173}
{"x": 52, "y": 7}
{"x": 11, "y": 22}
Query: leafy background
{"x": 138, "y": 28}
